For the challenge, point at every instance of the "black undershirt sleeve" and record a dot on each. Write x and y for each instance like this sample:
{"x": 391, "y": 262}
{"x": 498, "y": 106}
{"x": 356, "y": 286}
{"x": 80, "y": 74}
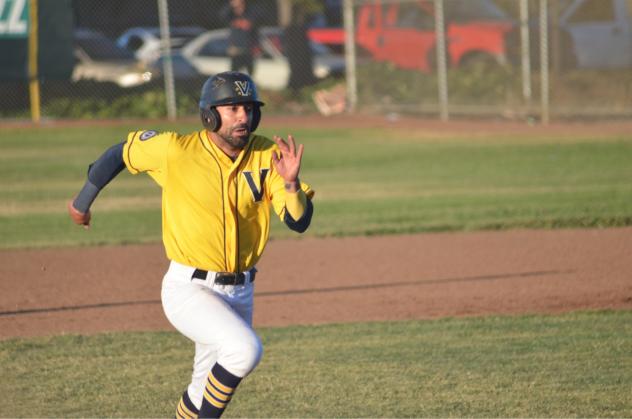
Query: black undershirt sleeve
{"x": 100, "y": 173}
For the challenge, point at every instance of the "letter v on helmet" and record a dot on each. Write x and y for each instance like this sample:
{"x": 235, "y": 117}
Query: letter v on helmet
{"x": 243, "y": 88}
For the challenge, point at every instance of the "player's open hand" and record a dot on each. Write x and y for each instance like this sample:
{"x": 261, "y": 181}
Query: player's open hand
{"x": 287, "y": 160}
{"x": 79, "y": 217}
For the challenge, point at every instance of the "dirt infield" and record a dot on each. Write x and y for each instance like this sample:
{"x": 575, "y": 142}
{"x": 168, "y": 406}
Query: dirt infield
{"x": 309, "y": 281}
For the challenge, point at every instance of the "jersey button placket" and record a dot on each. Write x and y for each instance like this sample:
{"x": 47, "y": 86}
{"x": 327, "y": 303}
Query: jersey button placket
{"x": 230, "y": 212}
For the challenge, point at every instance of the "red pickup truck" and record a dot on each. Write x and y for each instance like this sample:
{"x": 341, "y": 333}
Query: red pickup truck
{"x": 404, "y": 34}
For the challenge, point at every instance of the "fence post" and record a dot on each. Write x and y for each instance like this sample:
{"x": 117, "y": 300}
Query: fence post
{"x": 544, "y": 61}
{"x": 350, "y": 55}
{"x": 442, "y": 78}
{"x": 525, "y": 52}
{"x": 34, "y": 87}
{"x": 284, "y": 8}
{"x": 167, "y": 64}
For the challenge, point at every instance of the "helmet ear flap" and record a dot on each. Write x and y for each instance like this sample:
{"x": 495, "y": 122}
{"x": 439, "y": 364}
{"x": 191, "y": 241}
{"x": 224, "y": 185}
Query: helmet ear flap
{"x": 256, "y": 117}
{"x": 210, "y": 119}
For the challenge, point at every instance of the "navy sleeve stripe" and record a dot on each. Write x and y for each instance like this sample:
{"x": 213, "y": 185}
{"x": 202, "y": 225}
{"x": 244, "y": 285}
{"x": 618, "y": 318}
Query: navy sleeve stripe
{"x": 301, "y": 225}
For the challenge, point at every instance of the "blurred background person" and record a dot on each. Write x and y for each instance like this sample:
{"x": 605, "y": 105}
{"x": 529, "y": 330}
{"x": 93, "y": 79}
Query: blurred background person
{"x": 242, "y": 21}
{"x": 297, "y": 47}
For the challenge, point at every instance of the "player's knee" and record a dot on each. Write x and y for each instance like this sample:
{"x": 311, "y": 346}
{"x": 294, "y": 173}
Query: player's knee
{"x": 252, "y": 353}
{"x": 242, "y": 356}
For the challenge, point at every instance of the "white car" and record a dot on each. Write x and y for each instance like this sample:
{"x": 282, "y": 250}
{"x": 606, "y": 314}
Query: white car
{"x": 100, "y": 59}
{"x": 145, "y": 43}
{"x": 601, "y": 32}
{"x": 208, "y": 54}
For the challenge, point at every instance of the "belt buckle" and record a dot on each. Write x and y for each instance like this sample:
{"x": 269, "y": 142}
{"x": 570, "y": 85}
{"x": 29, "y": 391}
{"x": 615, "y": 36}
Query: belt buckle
{"x": 226, "y": 278}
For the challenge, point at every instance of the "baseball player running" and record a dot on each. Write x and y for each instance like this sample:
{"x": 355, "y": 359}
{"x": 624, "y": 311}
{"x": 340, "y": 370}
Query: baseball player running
{"x": 218, "y": 185}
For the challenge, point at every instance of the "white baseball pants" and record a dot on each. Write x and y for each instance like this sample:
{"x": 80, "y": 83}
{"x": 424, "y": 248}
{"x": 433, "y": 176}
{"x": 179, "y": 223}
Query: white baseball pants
{"x": 218, "y": 318}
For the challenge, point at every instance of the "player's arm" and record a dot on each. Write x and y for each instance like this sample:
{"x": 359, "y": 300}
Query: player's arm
{"x": 287, "y": 162}
{"x": 298, "y": 208}
{"x": 100, "y": 173}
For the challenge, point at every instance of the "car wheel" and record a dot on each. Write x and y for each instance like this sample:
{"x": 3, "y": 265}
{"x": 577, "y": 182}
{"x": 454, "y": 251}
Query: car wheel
{"x": 478, "y": 61}
{"x": 431, "y": 59}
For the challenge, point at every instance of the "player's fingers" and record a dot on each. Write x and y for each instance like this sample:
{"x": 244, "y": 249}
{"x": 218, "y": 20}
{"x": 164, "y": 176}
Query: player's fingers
{"x": 87, "y": 219}
{"x": 292, "y": 144}
{"x": 299, "y": 152}
{"x": 80, "y": 218}
{"x": 75, "y": 215}
{"x": 275, "y": 157}
{"x": 281, "y": 143}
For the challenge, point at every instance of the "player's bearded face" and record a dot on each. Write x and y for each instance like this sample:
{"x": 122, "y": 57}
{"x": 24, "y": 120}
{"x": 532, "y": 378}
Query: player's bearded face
{"x": 235, "y": 128}
{"x": 236, "y": 135}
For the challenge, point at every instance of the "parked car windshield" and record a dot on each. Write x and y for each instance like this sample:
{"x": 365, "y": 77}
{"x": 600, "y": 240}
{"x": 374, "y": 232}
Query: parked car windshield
{"x": 99, "y": 50}
{"x": 188, "y": 32}
{"x": 179, "y": 35}
{"x": 99, "y": 47}
{"x": 473, "y": 10}
{"x": 594, "y": 11}
{"x": 215, "y": 48}
{"x": 218, "y": 46}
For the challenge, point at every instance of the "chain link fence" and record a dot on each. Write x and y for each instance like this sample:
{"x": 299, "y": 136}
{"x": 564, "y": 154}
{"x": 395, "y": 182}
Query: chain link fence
{"x": 509, "y": 58}
{"x": 515, "y": 59}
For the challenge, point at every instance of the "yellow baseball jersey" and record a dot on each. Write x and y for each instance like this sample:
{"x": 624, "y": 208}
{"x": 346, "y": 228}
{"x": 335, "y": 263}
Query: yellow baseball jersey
{"x": 215, "y": 212}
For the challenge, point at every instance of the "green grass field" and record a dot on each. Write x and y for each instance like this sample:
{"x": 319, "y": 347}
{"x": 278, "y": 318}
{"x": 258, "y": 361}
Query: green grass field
{"x": 574, "y": 365}
{"x": 368, "y": 182}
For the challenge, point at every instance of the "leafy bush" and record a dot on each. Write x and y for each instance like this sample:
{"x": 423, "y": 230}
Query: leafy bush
{"x": 148, "y": 104}
{"x": 88, "y": 100}
{"x": 381, "y": 87}
{"x": 383, "y": 83}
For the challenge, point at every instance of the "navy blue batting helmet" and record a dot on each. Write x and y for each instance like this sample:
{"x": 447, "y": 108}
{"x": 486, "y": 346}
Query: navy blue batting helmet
{"x": 230, "y": 87}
